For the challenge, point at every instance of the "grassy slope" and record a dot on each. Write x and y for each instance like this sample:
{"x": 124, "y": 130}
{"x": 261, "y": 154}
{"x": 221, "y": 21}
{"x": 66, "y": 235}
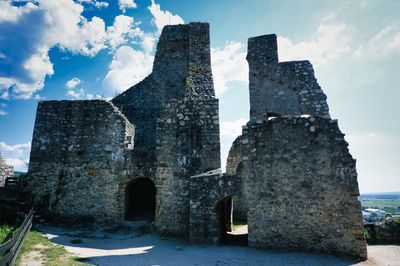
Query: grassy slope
{"x": 5, "y": 233}
{"x": 51, "y": 254}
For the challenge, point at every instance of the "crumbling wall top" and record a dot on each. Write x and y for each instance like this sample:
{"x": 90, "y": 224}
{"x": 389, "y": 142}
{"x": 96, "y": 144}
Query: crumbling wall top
{"x": 262, "y": 50}
{"x": 281, "y": 89}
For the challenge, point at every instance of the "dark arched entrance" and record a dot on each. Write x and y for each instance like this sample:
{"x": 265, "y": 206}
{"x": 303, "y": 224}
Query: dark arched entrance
{"x": 140, "y": 199}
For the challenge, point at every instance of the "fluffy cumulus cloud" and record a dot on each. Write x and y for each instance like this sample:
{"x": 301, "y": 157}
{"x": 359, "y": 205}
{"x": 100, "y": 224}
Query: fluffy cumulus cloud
{"x": 16, "y": 155}
{"x": 127, "y": 68}
{"x": 126, "y": 4}
{"x": 162, "y": 18}
{"x": 329, "y": 42}
{"x": 29, "y": 31}
{"x": 229, "y": 64}
{"x": 121, "y": 31}
{"x": 72, "y": 83}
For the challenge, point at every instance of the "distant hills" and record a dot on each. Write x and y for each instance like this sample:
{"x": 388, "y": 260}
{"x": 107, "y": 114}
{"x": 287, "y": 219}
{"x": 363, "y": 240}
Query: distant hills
{"x": 381, "y": 195}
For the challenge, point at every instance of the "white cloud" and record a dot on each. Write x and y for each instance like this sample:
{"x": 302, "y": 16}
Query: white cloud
{"x": 148, "y": 42}
{"x": 162, "y": 18}
{"x": 9, "y": 13}
{"x": 72, "y": 83}
{"x": 98, "y": 4}
{"x": 2, "y": 112}
{"x": 232, "y": 129}
{"x": 19, "y": 165}
{"x": 122, "y": 28}
{"x": 76, "y": 94}
{"x": 94, "y": 96}
{"x": 229, "y": 64}
{"x": 126, "y": 4}
{"x": 329, "y": 42}
{"x": 384, "y": 43}
{"x": 16, "y": 155}
{"x": 38, "y": 26}
{"x": 127, "y": 68}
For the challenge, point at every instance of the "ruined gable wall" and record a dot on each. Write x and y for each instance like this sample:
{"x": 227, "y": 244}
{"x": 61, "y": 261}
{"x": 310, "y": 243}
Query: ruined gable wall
{"x": 77, "y": 157}
{"x": 287, "y": 88}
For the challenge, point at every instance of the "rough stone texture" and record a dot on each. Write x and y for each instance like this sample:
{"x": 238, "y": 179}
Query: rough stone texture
{"x": 300, "y": 185}
{"x": 177, "y": 120}
{"x": 77, "y": 157}
{"x": 188, "y": 145}
{"x": 5, "y": 171}
{"x": 286, "y": 88}
{"x": 173, "y": 118}
{"x": 206, "y": 191}
{"x": 292, "y": 177}
{"x": 181, "y": 70}
{"x": 387, "y": 232}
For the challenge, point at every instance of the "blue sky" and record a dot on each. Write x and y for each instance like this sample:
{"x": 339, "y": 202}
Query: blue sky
{"x": 84, "y": 49}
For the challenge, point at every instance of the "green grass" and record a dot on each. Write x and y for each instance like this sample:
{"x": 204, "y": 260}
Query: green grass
{"x": 238, "y": 223}
{"x": 6, "y": 232}
{"x": 51, "y": 254}
{"x": 386, "y": 205}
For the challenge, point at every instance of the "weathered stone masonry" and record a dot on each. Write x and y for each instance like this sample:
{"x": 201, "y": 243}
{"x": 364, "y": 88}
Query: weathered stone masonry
{"x": 173, "y": 133}
{"x": 77, "y": 159}
{"x": 290, "y": 176}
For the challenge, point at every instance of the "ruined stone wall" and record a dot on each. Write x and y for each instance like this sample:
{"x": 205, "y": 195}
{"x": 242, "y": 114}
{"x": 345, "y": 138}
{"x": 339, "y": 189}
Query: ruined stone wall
{"x": 297, "y": 182}
{"x": 79, "y": 149}
{"x": 286, "y": 88}
{"x": 205, "y": 192}
{"x": 177, "y": 123}
{"x": 181, "y": 69}
{"x": 188, "y": 145}
{"x": 301, "y": 186}
{"x": 5, "y": 171}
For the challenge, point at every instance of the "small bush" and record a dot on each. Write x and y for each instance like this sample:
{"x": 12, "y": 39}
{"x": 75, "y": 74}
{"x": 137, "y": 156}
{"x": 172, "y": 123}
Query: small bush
{"x": 6, "y": 232}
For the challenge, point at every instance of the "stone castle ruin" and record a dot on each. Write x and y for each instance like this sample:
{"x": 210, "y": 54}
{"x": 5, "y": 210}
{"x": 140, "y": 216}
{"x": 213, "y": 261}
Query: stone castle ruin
{"x": 151, "y": 153}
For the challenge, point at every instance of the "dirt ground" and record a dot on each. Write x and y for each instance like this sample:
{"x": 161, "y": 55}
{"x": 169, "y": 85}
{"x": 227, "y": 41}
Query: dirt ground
{"x": 122, "y": 249}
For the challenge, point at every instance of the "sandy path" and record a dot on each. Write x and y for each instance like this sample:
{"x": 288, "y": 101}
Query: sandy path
{"x": 33, "y": 258}
{"x": 150, "y": 249}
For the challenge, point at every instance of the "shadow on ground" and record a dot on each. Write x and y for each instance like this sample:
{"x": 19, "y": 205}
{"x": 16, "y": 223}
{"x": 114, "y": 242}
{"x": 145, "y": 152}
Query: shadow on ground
{"x": 149, "y": 249}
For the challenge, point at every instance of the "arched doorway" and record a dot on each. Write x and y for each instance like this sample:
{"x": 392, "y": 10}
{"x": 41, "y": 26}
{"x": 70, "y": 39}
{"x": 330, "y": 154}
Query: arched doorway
{"x": 140, "y": 199}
